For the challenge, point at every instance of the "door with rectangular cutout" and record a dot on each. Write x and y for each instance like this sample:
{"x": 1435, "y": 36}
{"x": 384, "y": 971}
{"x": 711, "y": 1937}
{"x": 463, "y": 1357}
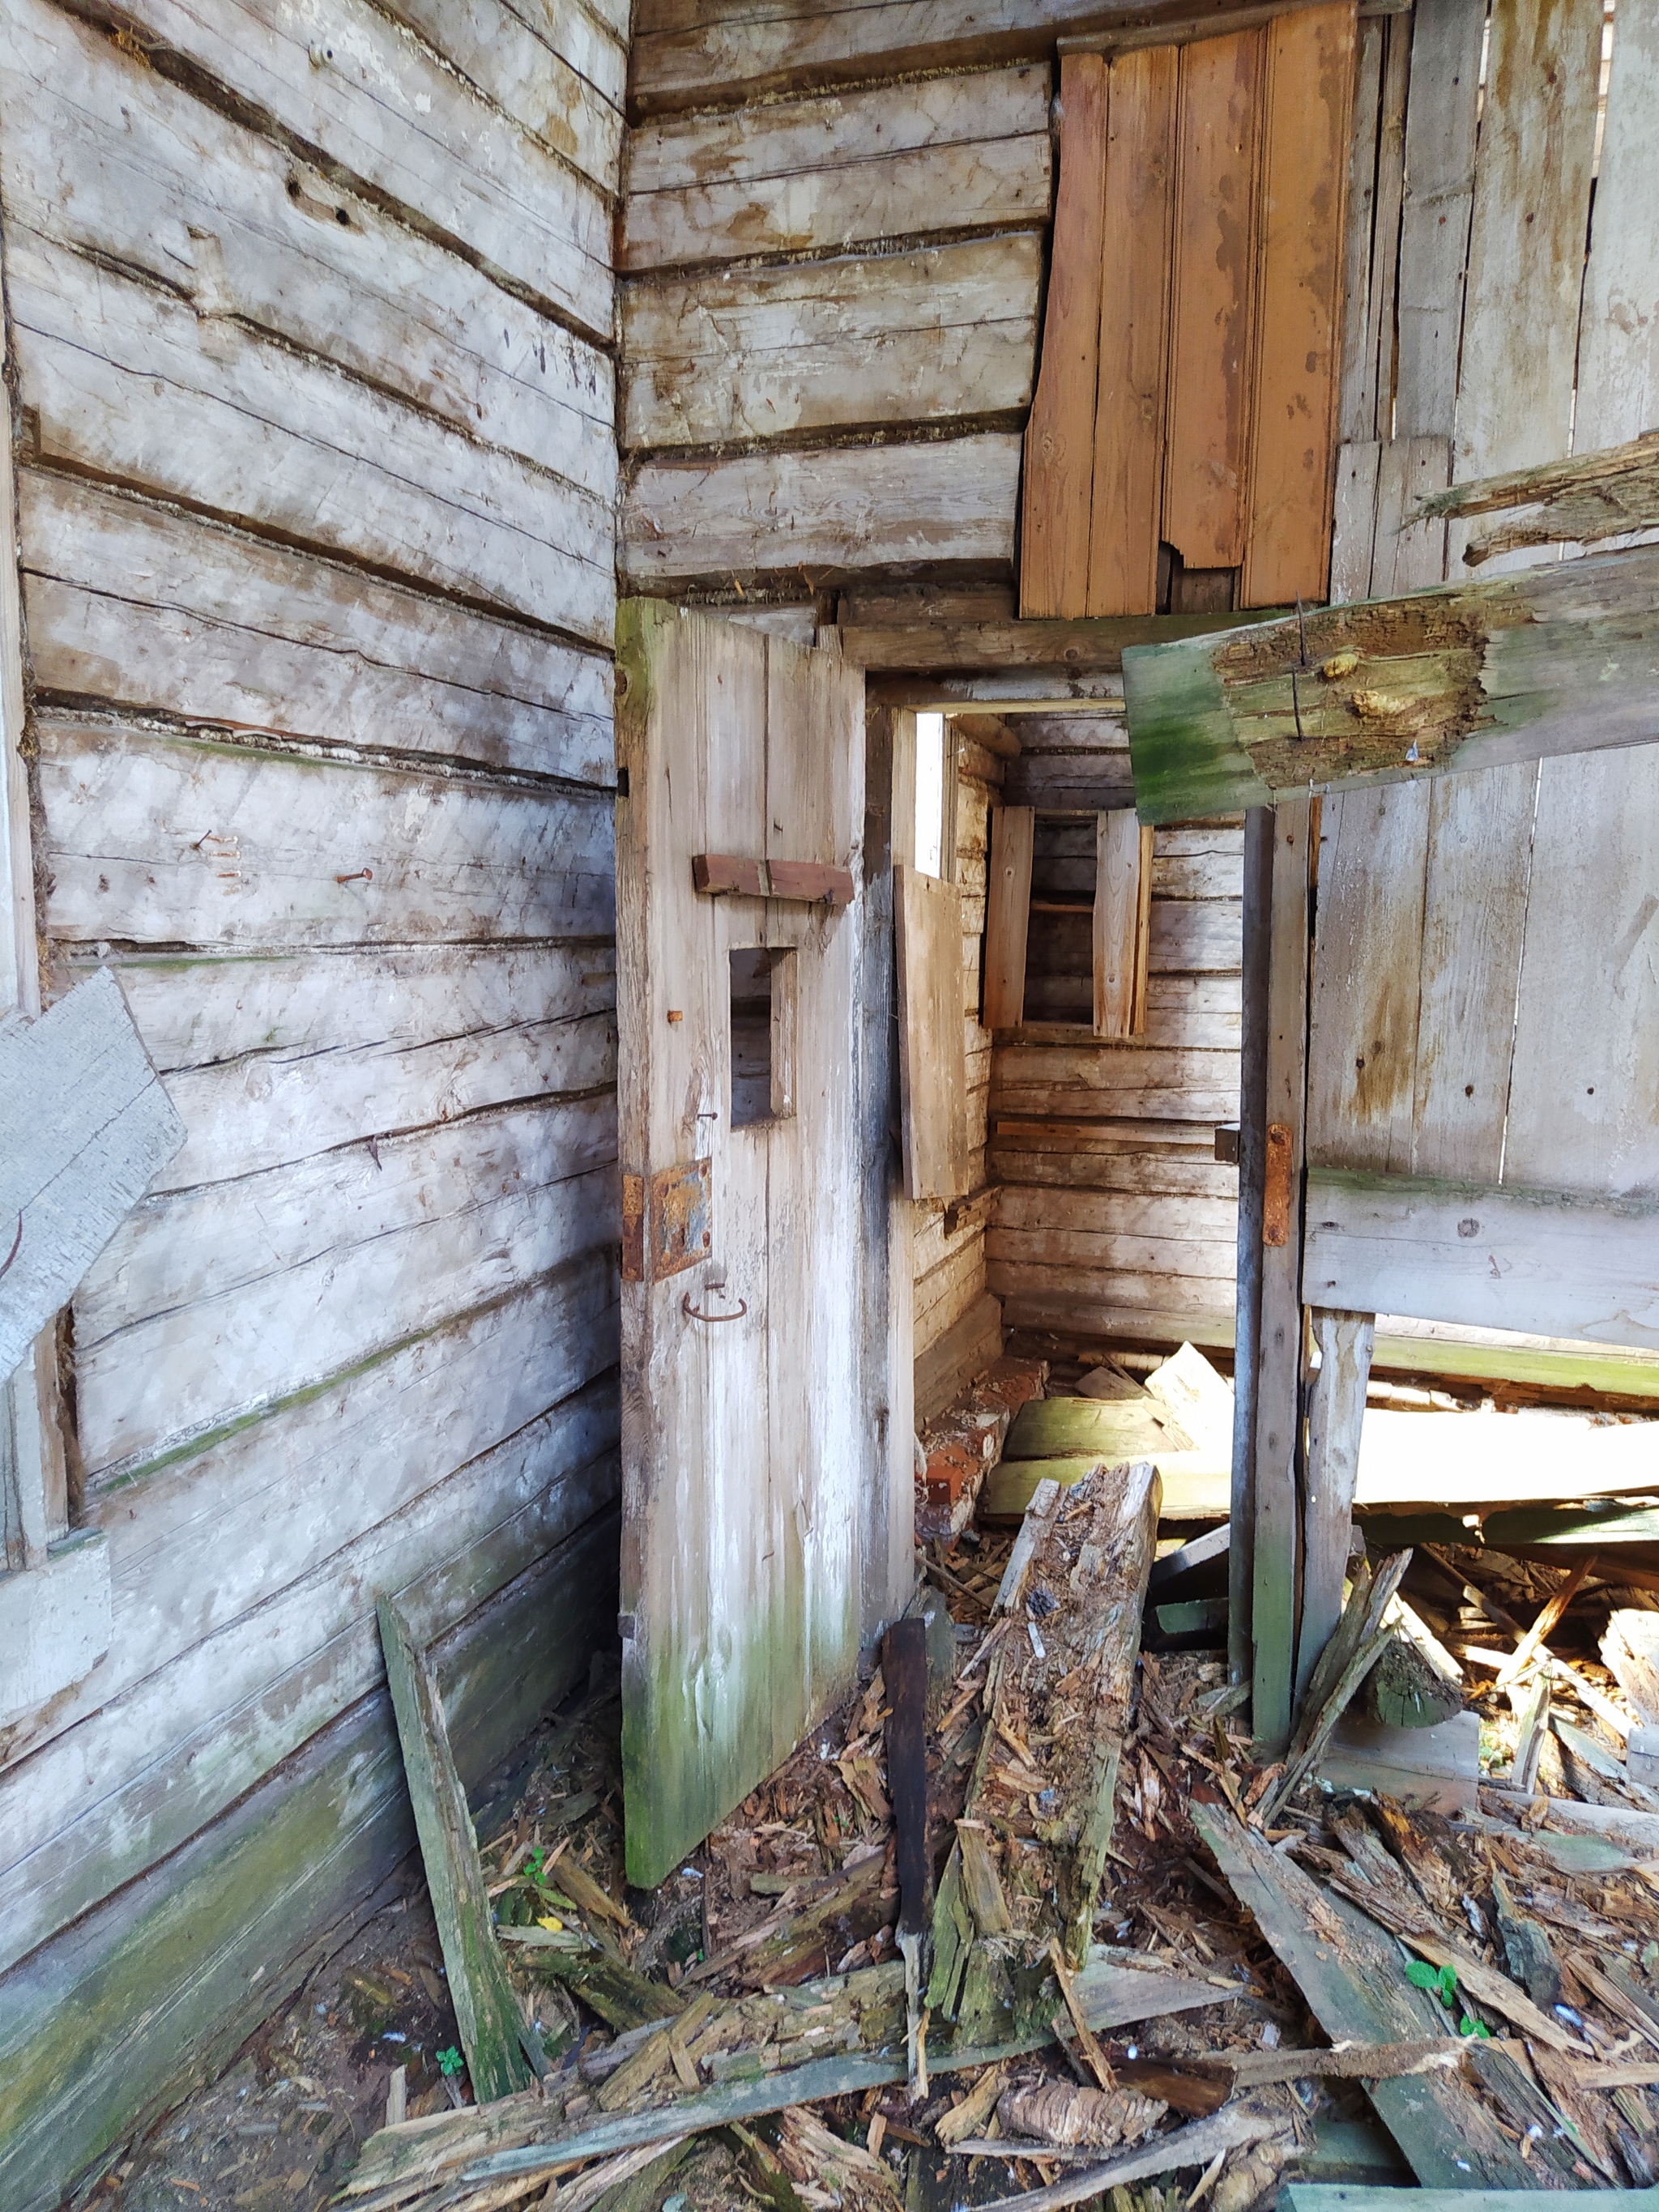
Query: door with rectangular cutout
{"x": 738, "y": 951}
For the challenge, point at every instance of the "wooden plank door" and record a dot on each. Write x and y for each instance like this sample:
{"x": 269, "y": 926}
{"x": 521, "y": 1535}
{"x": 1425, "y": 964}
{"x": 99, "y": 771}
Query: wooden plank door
{"x": 738, "y": 1135}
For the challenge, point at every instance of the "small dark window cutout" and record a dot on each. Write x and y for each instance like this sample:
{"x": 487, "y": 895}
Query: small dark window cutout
{"x": 763, "y": 1012}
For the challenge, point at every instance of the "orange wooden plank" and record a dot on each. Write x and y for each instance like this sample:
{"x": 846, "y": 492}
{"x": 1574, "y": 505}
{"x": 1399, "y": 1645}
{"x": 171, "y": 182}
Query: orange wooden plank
{"x": 1137, "y": 226}
{"x": 1308, "y": 111}
{"x": 1054, "y": 568}
{"x": 1210, "y": 347}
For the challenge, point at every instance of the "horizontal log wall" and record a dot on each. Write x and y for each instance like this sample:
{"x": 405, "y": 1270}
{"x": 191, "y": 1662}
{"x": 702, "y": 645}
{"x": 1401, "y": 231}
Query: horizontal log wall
{"x": 1114, "y": 1218}
{"x": 828, "y": 325}
{"x": 314, "y": 360}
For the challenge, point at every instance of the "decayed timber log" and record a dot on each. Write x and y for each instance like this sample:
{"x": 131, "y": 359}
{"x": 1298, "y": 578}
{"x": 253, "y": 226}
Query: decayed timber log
{"x": 1071, "y": 1602}
{"x": 1580, "y": 501}
{"x": 1522, "y": 667}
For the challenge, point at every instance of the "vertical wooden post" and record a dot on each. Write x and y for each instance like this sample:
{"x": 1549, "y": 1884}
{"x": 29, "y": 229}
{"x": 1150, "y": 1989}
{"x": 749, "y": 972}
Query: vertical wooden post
{"x": 1279, "y": 1378}
{"x": 1252, "y": 1145}
{"x": 887, "y": 1493}
{"x": 1336, "y": 1406}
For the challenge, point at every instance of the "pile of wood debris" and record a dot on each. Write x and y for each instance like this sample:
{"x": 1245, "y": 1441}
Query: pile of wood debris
{"x": 1140, "y": 1953}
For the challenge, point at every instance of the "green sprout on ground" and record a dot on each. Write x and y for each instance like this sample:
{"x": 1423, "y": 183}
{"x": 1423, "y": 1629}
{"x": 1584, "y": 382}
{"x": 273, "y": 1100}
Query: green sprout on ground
{"x": 449, "y": 2062}
{"x": 1443, "y": 1982}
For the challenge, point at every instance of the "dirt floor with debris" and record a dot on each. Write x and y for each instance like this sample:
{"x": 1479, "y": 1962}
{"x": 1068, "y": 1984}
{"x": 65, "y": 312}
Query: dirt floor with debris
{"x": 1512, "y": 1964}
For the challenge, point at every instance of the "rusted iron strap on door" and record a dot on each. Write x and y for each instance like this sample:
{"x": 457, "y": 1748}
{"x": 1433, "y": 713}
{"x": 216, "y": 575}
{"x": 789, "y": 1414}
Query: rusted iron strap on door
{"x": 667, "y": 1221}
{"x": 1276, "y": 1195}
{"x": 727, "y": 875}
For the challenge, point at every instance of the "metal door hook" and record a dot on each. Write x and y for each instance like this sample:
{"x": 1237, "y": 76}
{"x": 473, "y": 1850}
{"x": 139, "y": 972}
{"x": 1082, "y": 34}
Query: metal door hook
{"x": 695, "y": 1312}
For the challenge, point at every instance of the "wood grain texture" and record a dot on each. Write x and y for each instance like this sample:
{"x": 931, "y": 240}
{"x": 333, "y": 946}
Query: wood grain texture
{"x": 175, "y": 841}
{"x": 1008, "y": 914}
{"x": 940, "y": 332}
{"x": 1137, "y": 233}
{"x": 92, "y": 1125}
{"x": 130, "y": 383}
{"x": 136, "y": 603}
{"x": 1274, "y": 1610}
{"x": 846, "y": 168}
{"x": 1619, "y": 340}
{"x": 1441, "y": 116}
{"x": 211, "y": 1721}
{"x": 1583, "y": 1094}
{"x": 210, "y": 1303}
{"x": 480, "y": 1988}
{"x": 846, "y": 509}
{"x": 1356, "y": 416}
{"x": 687, "y": 55}
{"x": 1212, "y": 329}
{"x": 1308, "y": 70}
{"x": 256, "y": 1903}
{"x": 1054, "y": 532}
{"x": 1336, "y": 1410}
{"x": 1117, "y": 925}
{"x": 552, "y": 69}
{"x": 1526, "y": 262}
{"x": 384, "y": 108}
{"x": 932, "y": 1073}
{"x": 103, "y": 155}
{"x": 1496, "y": 1256}
{"x": 746, "y": 1617}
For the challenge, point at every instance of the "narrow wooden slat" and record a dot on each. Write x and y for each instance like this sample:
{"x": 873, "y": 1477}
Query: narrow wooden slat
{"x": 1116, "y": 919}
{"x": 1060, "y": 436}
{"x": 933, "y": 1074}
{"x": 1013, "y": 831}
{"x": 486, "y": 2005}
{"x": 1211, "y": 317}
{"x": 91, "y": 1125}
{"x": 1355, "y": 409}
{"x": 1336, "y": 1407}
{"x": 1526, "y": 268}
{"x": 1542, "y": 1260}
{"x": 1309, "y": 97}
{"x": 1256, "y": 925}
{"x": 1136, "y": 227}
{"x": 1441, "y": 116}
{"x": 1581, "y": 1093}
{"x": 1474, "y": 912}
{"x": 1362, "y": 1051}
{"x": 1274, "y": 1605}
{"x": 1618, "y": 339}
{"x": 1376, "y": 392}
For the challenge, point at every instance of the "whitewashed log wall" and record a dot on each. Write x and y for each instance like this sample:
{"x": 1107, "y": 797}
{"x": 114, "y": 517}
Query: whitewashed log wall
{"x": 1114, "y": 1218}
{"x": 828, "y": 319}
{"x": 311, "y": 322}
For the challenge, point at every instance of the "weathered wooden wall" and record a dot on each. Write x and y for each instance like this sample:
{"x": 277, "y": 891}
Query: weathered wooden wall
{"x": 1114, "y": 1217}
{"x": 311, "y": 331}
{"x": 828, "y": 319}
{"x": 1482, "y": 1010}
{"x": 950, "y": 1264}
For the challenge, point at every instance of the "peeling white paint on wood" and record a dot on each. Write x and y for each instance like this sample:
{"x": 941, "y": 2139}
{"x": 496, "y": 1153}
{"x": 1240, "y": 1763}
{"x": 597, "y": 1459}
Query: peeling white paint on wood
{"x": 213, "y": 1302}
{"x": 152, "y": 838}
{"x": 133, "y": 603}
{"x": 126, "y": 381}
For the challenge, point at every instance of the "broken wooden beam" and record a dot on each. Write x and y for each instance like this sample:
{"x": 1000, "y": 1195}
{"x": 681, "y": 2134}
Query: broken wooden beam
{"x": 1350, "y": 1973}
{"x": 1553, "y": 660}
{"x": 88, "y": 1124}
{"x": 486, "y": 2004}
{"x": 1579, "y": 500}
{"x": 1111, "y": 1997}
